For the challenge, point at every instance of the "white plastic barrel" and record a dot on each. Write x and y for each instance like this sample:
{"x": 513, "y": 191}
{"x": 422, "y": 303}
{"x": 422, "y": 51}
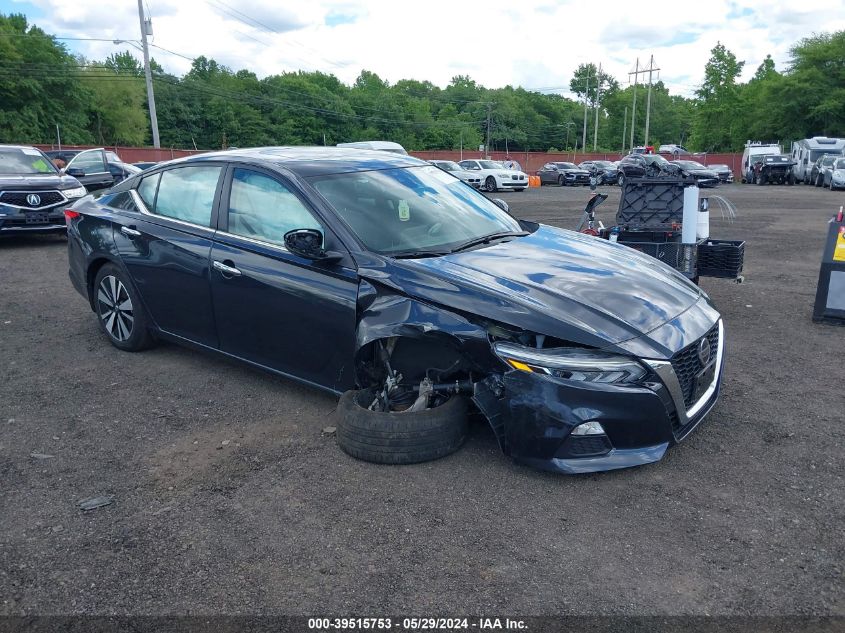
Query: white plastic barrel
{"x": 689, "y": 228}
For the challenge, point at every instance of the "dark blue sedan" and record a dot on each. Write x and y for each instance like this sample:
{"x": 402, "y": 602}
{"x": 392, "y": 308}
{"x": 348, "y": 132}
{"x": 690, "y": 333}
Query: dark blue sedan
{"x": 386, "y": 278}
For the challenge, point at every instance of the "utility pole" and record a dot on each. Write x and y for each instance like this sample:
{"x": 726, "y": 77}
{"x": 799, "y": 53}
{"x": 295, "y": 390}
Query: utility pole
{"x": 489, "y": 113}
{"x": 586, "y": 101}
{"x": 624, "y": 128}
{"x": 634, "y": 109}
{"x": 651, "y": 69}
{"x": 598, "y": 94}
{"x": 147, "y": 29}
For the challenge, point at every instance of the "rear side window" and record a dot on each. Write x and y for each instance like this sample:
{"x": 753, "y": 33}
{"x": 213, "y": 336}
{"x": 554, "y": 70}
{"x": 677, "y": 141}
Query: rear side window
{"x": 147, "y": 190}
{"x": 187, "y": 194}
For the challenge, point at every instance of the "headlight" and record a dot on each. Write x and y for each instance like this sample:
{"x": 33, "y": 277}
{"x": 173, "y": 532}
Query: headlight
{"x": 503, "y": 175}
{"x": 77, "y": 192}
{"x": 572, "y": 363}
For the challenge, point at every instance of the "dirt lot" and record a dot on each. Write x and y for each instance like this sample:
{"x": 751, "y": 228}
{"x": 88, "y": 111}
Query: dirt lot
{"x": 228, "y": 499}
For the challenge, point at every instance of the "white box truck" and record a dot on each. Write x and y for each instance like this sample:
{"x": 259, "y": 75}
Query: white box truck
{"x": 754, "y": 152}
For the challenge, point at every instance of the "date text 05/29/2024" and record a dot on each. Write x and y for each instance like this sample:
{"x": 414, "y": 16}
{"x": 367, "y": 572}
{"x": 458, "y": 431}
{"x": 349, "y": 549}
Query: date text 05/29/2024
{"x": 415, "y": 624}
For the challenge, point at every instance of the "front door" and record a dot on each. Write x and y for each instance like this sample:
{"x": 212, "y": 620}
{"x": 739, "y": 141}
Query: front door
{"x": 166, "y": 244}
{"x": 274, "y": 308}
{"x": 91, "y": 169}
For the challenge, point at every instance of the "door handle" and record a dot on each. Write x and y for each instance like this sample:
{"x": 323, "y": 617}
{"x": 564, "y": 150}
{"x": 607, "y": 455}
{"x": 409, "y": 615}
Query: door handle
{"x": 225, "y": 269}
{"x": 129, "y": 231}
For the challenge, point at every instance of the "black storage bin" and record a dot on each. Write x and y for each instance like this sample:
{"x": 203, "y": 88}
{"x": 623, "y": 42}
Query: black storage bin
{"x": 651, "y": 203}
{"x": 721, "y": 258}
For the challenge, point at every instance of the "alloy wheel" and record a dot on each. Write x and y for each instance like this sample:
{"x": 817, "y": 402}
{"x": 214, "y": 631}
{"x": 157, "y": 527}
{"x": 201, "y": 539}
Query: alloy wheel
{"x": 115, "y": 308}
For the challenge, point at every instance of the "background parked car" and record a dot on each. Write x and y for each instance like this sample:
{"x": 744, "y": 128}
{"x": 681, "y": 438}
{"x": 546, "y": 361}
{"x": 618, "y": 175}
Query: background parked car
{"x": 704, "y": 176}
{"x": 817, "y": 171}
{"x": 774, "y": 169}
{"x": 563, "y": 174}
{"x": 834, "y": 177}
{"x": 469, "y": 177}
{"x": 674, "y": 150}
{"x": 605, "y": 170}
{"x": 33, "y": 193}
{"x": 494, "y": 176}
{"x": 122, "y": 171}
{"x": 724, "y": 172}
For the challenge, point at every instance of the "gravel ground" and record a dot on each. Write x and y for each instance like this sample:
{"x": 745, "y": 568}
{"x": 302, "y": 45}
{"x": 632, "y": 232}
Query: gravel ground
{"x": 229, "y": 499}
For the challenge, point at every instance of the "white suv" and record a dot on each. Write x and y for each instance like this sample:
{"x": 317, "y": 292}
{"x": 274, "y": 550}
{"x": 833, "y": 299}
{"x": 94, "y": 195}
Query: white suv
{"x": 675, "y": 150}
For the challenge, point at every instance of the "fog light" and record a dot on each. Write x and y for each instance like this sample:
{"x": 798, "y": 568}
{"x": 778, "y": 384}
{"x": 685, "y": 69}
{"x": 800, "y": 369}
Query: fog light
{"x": 588, "y": 428}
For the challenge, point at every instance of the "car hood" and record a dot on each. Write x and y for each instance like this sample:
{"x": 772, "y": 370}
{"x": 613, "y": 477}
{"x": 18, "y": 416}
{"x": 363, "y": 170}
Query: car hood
{"x": 37, "y": 182}
{"x": 555, "y": 282}
{"x": 704, "y": 173}
{"x": 462, "y": 174}
{"x": 575, "y": 171}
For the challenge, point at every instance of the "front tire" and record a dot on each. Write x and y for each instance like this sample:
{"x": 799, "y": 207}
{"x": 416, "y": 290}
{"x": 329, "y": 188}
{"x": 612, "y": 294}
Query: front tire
{"x": 407, "y": 437}
{"x": 561, "y": 181}
{"x": 119, "y": 311}
{"x": 761, "y": 179}
{"x": 620, "y": 180}
{"x": 490, "y": 185}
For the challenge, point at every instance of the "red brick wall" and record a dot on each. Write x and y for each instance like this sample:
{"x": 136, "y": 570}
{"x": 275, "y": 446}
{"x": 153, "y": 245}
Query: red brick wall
{"x": 133, "y": 154}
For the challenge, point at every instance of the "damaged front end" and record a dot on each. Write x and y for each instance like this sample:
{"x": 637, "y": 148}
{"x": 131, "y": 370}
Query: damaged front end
{"x": 552, "y": 404}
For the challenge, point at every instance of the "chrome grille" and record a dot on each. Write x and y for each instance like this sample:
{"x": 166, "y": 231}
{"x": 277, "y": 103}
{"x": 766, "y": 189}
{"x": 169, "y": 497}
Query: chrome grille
{"x": 687, "y": 364}
{"x": 20, "y": 198}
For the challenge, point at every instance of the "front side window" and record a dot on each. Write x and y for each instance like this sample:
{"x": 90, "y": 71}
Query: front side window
{"x": 187, "y": 194}
{"x": 404, "y": 210}
{"x": 92, "y": 162}
{"x": 262, "y": 208}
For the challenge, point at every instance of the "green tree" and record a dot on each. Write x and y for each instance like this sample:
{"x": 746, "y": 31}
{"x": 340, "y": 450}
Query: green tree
{"x": 716, "y": 123}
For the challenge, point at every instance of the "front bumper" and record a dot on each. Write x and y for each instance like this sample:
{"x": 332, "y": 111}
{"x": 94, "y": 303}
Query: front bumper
{"x": 16, "y": 221}
{"x": 533, "y": 416}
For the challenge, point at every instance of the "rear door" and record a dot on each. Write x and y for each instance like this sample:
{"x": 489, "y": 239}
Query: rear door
{"x": 91, "y": 169}
{"x": 274, "y": 308}
{"x": 166, "y": 244}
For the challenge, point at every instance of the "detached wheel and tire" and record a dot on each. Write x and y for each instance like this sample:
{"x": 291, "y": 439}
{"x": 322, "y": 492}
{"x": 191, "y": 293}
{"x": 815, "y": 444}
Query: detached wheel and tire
{"x": 119, "y": 311}
{"x": 490, "y": 184}
{"x": 399, "y": 437}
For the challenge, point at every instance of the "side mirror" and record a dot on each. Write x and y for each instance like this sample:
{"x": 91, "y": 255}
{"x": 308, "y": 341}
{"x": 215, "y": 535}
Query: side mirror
{"x": 502, "y": 205}
{"x": 76, "y": 172}
{"x": 308, "y": 243}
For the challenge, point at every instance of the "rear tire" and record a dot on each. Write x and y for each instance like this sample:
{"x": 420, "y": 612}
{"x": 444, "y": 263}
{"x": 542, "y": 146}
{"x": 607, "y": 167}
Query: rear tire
{"x": 119, "y": 311}
{"x": 399, "y": 437}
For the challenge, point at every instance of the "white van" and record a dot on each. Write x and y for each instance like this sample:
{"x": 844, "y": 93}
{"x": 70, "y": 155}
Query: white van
{"x": 806, "y": 151}
{"x": 754, "y": 151}
{"x": 382, "y": 146}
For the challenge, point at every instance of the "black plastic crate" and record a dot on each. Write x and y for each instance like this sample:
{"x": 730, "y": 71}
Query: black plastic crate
{"x": 651, "y": 203}
{"x": 670, "y": 252}
{"x": 721, "y": 258}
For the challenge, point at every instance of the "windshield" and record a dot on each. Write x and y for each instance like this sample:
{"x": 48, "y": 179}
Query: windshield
{"x": 490, "y": 164}
{"x": 412, "y": 209}
{"x": 828, "y": 160}
{"x": 690, "y": 164}
{"x": 818, "y": 153}
{"x": 840, "y": 164}
{"x": 602, "y": 163}
{"x": 448, "y": 165}
{"x": 24, "y": 161}
{"x": 565, "y": 166}
{"x": 654, "y": 158}
{"x": 719, "y": 167}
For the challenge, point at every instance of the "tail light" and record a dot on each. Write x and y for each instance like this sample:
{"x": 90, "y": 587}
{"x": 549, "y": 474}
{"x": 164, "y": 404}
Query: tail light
{"x": 70, "y": 214}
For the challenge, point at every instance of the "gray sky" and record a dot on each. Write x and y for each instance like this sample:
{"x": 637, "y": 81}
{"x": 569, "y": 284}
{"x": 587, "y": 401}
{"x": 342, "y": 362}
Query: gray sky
{"x": 536, "y": 44}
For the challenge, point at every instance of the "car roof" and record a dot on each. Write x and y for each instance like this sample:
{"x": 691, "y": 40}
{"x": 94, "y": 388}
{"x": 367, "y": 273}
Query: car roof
{"x": 18, "y": 147}
{"x": 309, "y": 161}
